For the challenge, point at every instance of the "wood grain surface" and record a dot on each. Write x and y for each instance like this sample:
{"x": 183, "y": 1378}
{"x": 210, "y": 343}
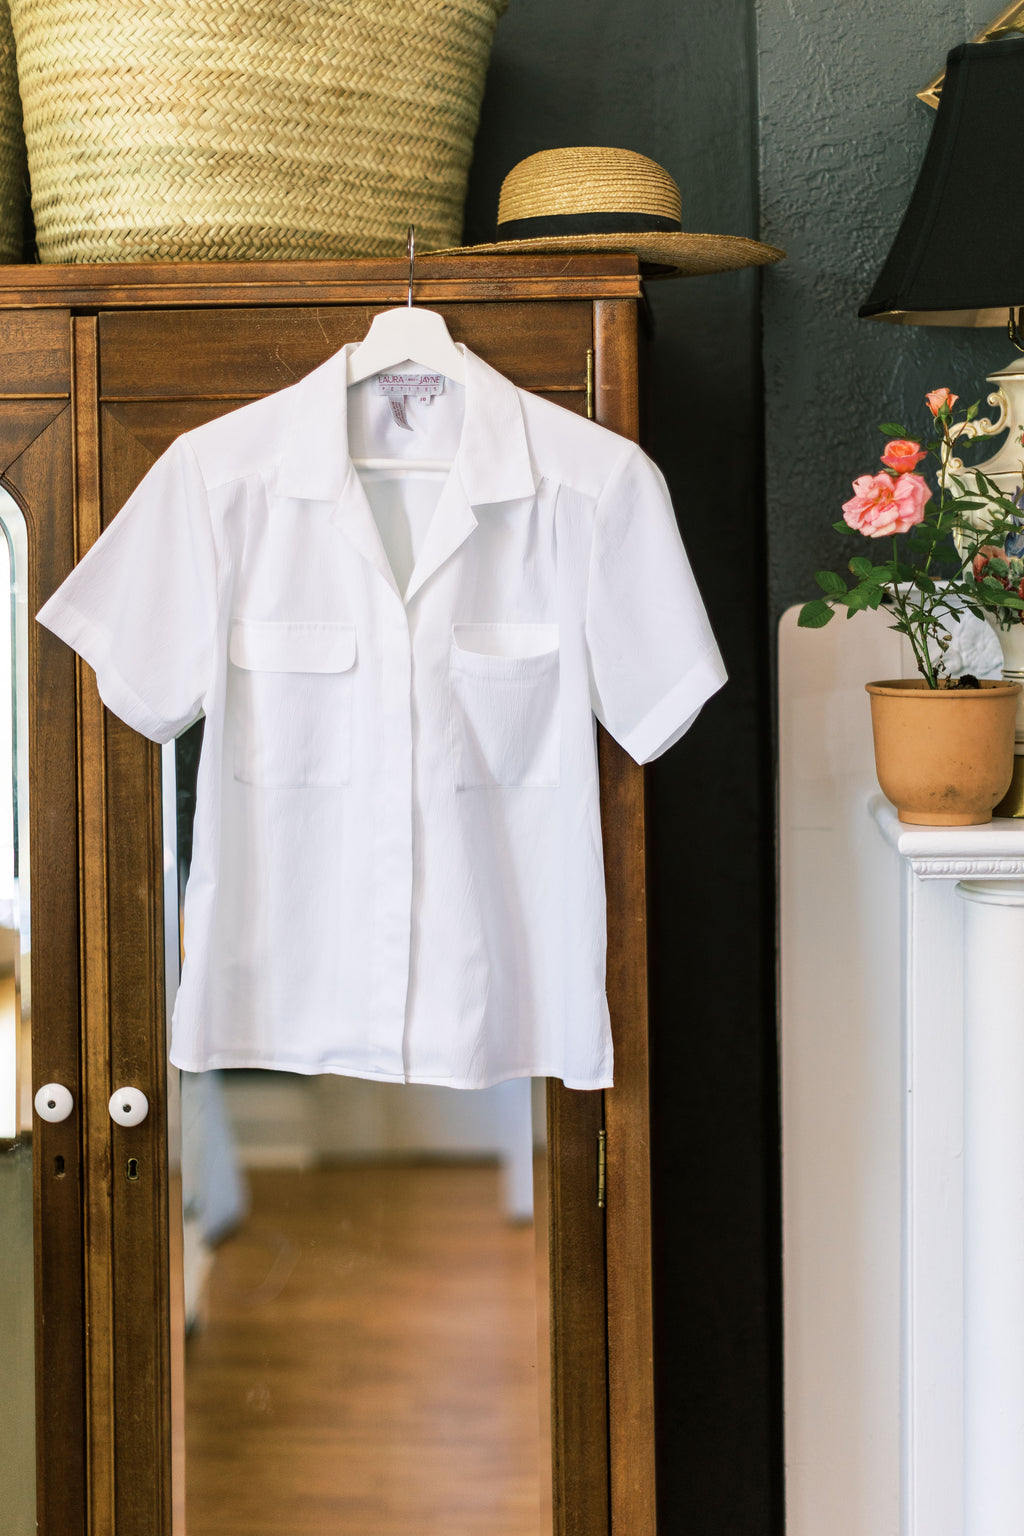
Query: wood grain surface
{"x": 35, "y": 352}
{"x": 439, "y": 279}
{"x": 93, "y": 898}
{"x": 36, "y": 440}
{"x": 135, "y": 955}
{"x": 627, "y": 1111}
{"x": 242, "y": 354}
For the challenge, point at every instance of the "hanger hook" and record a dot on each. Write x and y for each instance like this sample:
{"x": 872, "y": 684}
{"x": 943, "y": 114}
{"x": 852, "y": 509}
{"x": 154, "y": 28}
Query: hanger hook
{"x": 411, "y": 241}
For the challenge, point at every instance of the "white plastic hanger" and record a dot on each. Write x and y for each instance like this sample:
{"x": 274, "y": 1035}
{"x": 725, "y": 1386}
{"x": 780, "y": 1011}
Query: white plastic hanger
{"x": 406, "y": 335}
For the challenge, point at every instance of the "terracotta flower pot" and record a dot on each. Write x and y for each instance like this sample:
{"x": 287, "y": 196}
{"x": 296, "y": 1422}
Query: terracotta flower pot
{"x": 944, "y": 757}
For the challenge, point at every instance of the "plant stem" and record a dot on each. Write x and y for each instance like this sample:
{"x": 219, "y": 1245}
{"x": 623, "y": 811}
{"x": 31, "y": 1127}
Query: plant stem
{"x": 918, "y": 641}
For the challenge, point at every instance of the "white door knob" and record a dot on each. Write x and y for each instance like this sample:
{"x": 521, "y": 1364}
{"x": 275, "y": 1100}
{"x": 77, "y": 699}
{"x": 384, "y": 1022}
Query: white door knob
{"x": 128, "y": 1106}
{"x": 54, "y": 1102}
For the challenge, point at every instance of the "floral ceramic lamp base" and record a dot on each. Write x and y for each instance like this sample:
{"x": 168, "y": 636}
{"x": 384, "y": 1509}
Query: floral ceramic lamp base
{"x": 1006, "y": 468}
{"x": 1012, "y": 642}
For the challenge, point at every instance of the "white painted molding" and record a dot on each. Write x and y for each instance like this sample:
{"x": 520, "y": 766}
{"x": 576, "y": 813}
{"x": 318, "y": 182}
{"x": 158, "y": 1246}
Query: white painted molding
{"x": 968, "y": 869}
{"x": 962, "y": 1389}
{"x": 992, "y": 893}
{"x": 872, "y": 1014}
{"x": 993, "y": 1253}
{"x": 992, "y": 851}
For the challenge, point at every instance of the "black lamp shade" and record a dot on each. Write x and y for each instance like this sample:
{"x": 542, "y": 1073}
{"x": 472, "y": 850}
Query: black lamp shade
{"x": 958, "y": 258}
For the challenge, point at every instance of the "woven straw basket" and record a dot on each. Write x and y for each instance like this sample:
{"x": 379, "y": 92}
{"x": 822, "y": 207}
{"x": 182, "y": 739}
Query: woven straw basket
{"x": 13, "y": 171}
{"x": 249, "y": 129}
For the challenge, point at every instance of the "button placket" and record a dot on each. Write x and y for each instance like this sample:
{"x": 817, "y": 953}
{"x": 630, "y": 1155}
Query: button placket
{"x": 393, "y": 864}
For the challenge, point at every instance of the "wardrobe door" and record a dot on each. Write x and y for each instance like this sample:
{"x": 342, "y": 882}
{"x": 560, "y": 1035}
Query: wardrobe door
{"x": 155, "y": 375}
{"x": 42, "y": 1404}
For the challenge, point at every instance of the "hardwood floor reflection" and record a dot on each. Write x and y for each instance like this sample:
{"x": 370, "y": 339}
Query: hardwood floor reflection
{"x": 366, "y": 1363}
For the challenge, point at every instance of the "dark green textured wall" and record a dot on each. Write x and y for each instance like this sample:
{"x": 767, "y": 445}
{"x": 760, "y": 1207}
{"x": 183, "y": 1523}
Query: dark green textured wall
{"x": 793, "y": 120}
{"x": 677, "y": 83}
{"x": 842, "y": 136}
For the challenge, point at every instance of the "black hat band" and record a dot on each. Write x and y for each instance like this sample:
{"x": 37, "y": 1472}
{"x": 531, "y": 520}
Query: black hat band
{"x": 550, "y": 225}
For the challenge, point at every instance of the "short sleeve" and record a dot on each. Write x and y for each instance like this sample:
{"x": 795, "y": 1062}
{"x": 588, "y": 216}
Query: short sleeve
{"x": 140, "y": 607}
{"x": 653, "y": 657}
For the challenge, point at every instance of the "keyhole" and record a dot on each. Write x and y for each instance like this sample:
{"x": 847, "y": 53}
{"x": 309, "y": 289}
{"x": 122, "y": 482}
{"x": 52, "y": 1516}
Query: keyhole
{"x": 133, "y": 1168}
{"x": 58, "y": 1167}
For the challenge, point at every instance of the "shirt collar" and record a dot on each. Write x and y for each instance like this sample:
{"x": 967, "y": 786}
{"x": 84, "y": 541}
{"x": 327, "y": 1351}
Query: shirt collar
{"x": 493, "y": 457}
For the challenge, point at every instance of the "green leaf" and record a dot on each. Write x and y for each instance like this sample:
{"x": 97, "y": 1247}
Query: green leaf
{"x": 972, "y": 410}
{"x": 861, "y": 566}
{"x": 858, "y": 599}
{"x": 891, "y": 429}
{"x": 815, "y": 614}
{"x": 925, "y": 584}
{"x": 830, "y": 582}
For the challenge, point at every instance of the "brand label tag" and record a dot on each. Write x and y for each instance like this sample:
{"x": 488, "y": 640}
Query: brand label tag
{"x": 419, "y": 386}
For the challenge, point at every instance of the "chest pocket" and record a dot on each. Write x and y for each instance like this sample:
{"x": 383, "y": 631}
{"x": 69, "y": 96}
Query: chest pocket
{"x": 294, "y": 687}
{"x": 505, "y": 709}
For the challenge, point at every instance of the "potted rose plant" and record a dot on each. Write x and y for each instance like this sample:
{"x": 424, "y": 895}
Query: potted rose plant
{"x": 943, "y": 746}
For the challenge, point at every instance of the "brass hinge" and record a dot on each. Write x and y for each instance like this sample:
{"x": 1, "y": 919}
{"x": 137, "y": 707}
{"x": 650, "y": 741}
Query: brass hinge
{"x": 590, "y": 383}
{"x": 602, "y": 1167}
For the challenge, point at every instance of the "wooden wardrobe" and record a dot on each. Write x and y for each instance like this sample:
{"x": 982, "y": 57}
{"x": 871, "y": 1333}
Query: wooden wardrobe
{"x": 102, "y": 367}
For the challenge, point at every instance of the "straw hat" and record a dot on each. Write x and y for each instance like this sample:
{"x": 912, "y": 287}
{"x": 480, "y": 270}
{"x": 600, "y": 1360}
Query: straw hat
{"x": 609, "y": 200}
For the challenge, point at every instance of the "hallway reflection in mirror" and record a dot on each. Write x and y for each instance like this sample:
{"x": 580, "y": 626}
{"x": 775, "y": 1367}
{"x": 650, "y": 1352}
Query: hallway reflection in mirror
{"x": 17, "y": 1326}
{"x": 360, "y": 1294}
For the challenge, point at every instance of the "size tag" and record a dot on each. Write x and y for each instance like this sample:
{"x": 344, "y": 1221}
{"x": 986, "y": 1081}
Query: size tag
{"x": 418, "y": 386}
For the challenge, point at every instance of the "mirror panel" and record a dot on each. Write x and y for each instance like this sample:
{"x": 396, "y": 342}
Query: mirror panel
{"x": 361, "y": 1303}
{"x": 17, "y": 1320}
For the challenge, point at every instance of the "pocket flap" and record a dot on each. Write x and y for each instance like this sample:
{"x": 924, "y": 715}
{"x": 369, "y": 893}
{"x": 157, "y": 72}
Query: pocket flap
{"x": 260, "y": 645}
{"x": 519, "y": 642}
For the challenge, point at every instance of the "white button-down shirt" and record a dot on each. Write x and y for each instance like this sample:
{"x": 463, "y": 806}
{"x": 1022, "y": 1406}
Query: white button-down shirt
{"x": 397, "y": 867}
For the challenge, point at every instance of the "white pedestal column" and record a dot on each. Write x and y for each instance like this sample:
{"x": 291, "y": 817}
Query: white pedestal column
{"x": 993, "y": 1273}
{"x": 962, "y": 1368}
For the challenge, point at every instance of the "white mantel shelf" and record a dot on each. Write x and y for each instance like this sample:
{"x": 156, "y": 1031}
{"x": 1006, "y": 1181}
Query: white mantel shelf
{"x": 993, "y": 851}
{"x": 962, "y": 1007}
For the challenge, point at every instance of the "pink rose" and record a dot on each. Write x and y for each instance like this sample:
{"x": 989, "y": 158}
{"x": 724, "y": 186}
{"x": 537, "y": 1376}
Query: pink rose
{"x": 903, "y": 455}
{"x": 938, "y": 398}
{"x": 881, "y": 505}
